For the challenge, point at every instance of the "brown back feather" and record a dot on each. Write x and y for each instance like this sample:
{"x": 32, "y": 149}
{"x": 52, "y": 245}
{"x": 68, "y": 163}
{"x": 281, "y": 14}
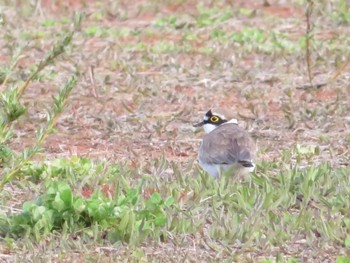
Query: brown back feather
{"x": 227, "y": 144}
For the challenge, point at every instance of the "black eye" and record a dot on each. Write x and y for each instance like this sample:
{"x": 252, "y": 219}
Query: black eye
{"x": 214, "y": 119}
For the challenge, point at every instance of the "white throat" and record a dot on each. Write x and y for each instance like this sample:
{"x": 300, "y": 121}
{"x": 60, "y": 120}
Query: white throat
{"x": 208, "y": 127}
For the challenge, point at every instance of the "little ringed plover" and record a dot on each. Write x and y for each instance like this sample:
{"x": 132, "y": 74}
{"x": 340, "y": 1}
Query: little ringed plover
{"x": 225, "y": 146}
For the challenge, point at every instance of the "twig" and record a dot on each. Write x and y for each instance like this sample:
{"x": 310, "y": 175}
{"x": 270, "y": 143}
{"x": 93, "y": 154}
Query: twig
{"x": 308, "y": 36}
{"x": 92, "y": 79}
{"x": 308, "y": 86}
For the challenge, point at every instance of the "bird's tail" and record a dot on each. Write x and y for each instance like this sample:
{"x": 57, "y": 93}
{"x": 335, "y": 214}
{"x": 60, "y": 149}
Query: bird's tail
{"x": 246, "y": 163}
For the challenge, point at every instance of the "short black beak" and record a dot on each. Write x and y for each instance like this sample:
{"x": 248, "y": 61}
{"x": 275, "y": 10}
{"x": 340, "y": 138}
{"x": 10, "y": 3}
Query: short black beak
{"x": 199, "y": 124}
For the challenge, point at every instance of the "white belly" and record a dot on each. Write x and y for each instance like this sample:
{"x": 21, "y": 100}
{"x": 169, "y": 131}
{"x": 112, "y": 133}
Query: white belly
{"x": 216, "y": 170}
{"x": 213, "y": 170}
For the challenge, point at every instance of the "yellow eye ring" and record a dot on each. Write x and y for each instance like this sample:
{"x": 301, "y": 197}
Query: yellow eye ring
{"x": 214, "y": 118}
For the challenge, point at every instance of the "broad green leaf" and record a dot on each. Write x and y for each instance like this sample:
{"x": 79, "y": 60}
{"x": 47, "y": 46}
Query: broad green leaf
{"x": 67, "y": 197}
{"x": 169, "y": 201}
{"x": 79, "y": 205}
{"x": 61, "y": 186}
{"x": 58, "y": 203}
{"x": 28, "y": 206}
{"x": 156, "y": 198}
{"x": 160, "y": 220}
{"x": 38, "y": 212}
{"x": 347, "y": 241}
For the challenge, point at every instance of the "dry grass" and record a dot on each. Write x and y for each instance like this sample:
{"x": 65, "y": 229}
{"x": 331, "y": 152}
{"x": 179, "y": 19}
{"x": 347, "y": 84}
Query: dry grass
{"x": 149, "y": 69}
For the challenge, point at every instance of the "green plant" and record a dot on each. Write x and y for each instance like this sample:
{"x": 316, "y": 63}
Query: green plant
{"x": 125, "y": 216}
{"x": 343, "y": 259}
{"x": 164, "y": 22}
{"x": 212, "y": 16}
{"x": 249, "y": 35}
{"x": 11, "y": 109}
{"x": 342, "y": 13}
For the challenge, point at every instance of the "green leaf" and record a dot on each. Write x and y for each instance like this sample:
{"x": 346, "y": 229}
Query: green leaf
{"x": 124, "y": 222}
{"x": 131, "y": 222}
{"x": 48, "y": 23}
{"x": 156, "y": 198}
{"x": 92, "y": 208}
{"x": 169, "y": 201}
{"x": 119, "y": 211}
{"x": 342, "y": 259}
{"x": 58, "y": 203}
{"x": 79, "y": 205}
{"x": 160, "y": 220}
{"x": 67, "y": 198}
{"x": 92, "y": 30}
{"x": 38, "y": 212}
{"x": 347, "y": 241}
{"x": 132, "y": 196}
{"x": 28, "y": 206}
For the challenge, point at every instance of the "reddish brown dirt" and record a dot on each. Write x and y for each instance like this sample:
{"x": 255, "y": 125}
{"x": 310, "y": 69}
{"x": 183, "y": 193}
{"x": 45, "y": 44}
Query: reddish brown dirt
{"x": 139, "y": 105}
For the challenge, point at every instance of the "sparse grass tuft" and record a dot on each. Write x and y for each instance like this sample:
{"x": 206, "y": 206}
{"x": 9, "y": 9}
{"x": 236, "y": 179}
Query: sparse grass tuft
{"x": 259, "y": 211}
{"x": 12, "y": 109}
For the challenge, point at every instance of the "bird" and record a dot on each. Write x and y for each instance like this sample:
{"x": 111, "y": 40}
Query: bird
{"x": 226, "y": 146}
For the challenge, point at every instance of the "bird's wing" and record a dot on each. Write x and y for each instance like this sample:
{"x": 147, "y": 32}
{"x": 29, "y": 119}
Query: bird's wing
{"x": 227, "y": 144}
